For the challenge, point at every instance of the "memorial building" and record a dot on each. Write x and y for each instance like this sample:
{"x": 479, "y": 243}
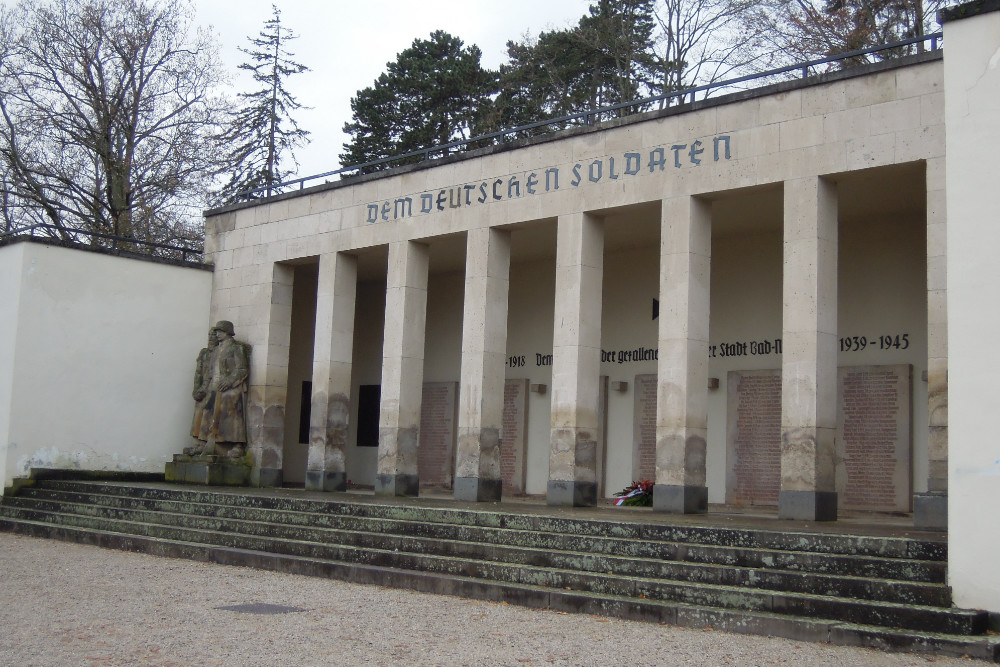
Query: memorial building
{"x": 741, "y": 299}
{"x": 765, "y": 298}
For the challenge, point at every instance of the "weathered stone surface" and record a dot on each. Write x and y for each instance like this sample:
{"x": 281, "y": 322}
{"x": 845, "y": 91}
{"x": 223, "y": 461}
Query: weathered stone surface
{"x": 680, "y": 499}
{"x": 513, "y": 444}
{"x": 220, "y": 393}
{"x": 930, "y": 511}
{"x": 208, "y": 470}
{"x": 807, "y": 505}
{"x": 438, "y": 417}
{"x": 873, "y": 438}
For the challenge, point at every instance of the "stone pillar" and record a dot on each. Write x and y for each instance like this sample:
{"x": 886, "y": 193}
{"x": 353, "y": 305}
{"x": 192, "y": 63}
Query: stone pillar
{"x": 484, "y": 351}
{"x": 682, "y": 366}
{"x": 930, "y": 509}
{"x": 576, "y": 357}
{"x": 331, "y": 376}
{"x": 809, "y": 355}
{"x": 269, "y": 380}
{"x": 402, "y": 369}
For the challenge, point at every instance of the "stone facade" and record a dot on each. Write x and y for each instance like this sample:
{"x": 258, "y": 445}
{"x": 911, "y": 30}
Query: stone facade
{"x": 748, "y": 219}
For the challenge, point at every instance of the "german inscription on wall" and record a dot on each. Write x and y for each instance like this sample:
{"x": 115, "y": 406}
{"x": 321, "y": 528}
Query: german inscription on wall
{"x": 436, "y": 453}
{"x": 515, "y": 420}
{"x": 644, "y": 428}
{"x": 873, "y": 438}
{"x": 753, "y": 441}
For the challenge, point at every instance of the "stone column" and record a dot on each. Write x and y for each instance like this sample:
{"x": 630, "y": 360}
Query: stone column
{"x": 930, "y": 510}
{"x": 484, "y": 350}
{"x": 682, "y": 366}
{"x": 269, "y": 380}
{"x": 331, "y": 376}
{"x": 576, "y": 357}
{"x": 809, "y": 356}
{"x": 402, "y": 369}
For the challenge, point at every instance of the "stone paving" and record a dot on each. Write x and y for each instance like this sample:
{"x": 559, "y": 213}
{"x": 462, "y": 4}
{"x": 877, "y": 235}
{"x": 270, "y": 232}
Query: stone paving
{"x": 67, "y": 604}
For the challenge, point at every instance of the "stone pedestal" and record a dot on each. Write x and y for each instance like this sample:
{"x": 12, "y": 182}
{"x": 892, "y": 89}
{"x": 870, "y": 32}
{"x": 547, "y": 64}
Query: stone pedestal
{"x": 930, "y": 511}
{"x": 324, "y": 480}
{"x": 677, "y": 499}
{"x": 478, "y": 489}
{"x": 208, "y": 470}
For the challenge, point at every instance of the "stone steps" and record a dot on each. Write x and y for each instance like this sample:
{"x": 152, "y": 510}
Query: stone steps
{"x": 291, "y": 526}
{"x": 848, "y": 589}
{"x": 901, "y": 569}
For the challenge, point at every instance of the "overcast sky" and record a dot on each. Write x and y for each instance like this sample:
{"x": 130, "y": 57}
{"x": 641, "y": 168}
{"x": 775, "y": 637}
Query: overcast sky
{"x": 347, "y": 44}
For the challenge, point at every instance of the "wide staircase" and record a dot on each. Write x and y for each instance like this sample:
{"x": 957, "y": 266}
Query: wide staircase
{"x": 851, "y": 589}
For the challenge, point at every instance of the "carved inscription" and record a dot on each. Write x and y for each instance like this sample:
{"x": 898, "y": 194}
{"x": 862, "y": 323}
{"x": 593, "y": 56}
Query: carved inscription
{"x": 515, "y": 417}
{"x": 874, "y": 438}
{"x": 550, "y": 179}
{"x": 436, "y": 453}
{"x": 644, "y": 428}
{"x": 754, "y": 438}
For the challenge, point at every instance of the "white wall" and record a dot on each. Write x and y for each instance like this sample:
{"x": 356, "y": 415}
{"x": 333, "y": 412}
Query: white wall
{"x": 103, "y": 361}
{"x": 972, "y": 107}
{"x": 10, "y": 289}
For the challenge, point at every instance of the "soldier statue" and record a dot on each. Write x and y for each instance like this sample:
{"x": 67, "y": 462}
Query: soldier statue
{"x": 220, "y": 394}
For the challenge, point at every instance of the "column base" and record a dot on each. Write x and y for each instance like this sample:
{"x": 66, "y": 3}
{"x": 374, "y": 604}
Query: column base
{"x": 560, "y": 493}
{"x": 930, "y": 511}
{"x": 266, "y": 477}
{"x": 807, "y": 505}
{"x": 478, "y": 490}
{"x": 677, "y": 499}
{"x": 397, "y": 485}
{"x": 320, "y": 480}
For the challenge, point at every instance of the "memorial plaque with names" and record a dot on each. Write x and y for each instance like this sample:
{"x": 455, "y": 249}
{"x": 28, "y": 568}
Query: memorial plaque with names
{"x": 873, "y": 438}
{"x": 753, "y": 437}
{"x": 438, "y": 417}
{"x": 644, "y": 428}
{"x": 515, "y": 420}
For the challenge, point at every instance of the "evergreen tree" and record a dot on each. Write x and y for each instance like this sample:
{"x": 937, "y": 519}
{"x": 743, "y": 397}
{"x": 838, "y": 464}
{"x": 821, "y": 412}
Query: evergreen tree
{"x": 435, "y": 92}
{"x": 262, "y": 134}
{"x": 619, "y": 34}
{"x": 606, "y": 59}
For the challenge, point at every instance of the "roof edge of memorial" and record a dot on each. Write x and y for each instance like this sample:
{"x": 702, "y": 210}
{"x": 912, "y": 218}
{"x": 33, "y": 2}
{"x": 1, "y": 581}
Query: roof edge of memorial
{"x": 968, "y": 10}
{"x": 729, "y": 98}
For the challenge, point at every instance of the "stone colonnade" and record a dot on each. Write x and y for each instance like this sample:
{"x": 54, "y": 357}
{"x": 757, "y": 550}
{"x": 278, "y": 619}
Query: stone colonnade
{"x": 809, "y": 361}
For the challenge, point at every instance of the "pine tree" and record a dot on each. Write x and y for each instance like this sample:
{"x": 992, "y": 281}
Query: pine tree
{"x": 262, "y": 135}
{"x": 606, "y": 59}
{"x": 435, "y": 92}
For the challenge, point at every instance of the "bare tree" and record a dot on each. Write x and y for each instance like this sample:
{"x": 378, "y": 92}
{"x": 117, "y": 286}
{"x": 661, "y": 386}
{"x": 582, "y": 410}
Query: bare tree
{"x": 705, "y": 41}
{"x": 802, "y": 30}
{"x": 106, "y": 116}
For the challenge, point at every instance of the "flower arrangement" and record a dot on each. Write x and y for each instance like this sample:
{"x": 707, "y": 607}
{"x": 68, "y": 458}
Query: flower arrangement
{"x": 636, "y": 494}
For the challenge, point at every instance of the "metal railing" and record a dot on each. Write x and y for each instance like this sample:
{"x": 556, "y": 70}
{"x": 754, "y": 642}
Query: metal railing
{"x": 118, "y": 243}
{"x": 679, "y": 96}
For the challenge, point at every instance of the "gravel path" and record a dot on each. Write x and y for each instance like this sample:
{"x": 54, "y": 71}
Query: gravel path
{"x": 67, "y": 604}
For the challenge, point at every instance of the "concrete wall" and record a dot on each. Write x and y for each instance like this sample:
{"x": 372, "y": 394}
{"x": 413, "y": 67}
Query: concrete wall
{"x": 11, "y": 260}
{"x": 972, "y": 107}
{"x": 102, "y": 364}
